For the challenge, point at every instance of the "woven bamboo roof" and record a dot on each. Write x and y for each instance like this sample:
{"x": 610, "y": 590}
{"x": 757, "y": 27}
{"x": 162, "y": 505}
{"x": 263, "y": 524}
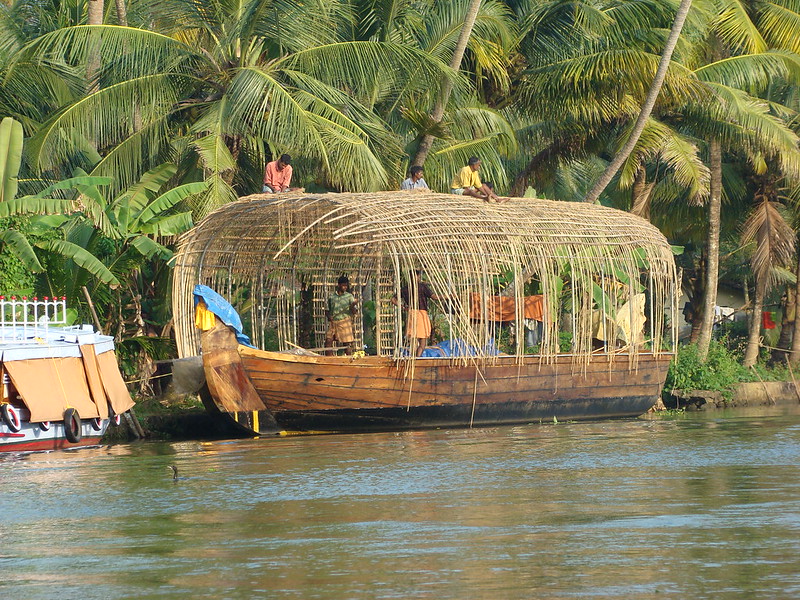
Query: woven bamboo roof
{"x": 268, "y": 242}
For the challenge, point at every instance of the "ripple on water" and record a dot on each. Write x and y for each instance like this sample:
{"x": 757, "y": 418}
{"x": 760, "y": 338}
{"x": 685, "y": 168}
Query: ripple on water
{"x": 690, "y": 508}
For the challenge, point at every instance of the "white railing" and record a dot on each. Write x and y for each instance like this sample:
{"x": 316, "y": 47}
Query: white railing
{"x": 23, "y": 319}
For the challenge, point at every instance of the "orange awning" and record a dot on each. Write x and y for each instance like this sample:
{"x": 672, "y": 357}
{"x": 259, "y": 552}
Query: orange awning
{"x": 117, "y": 392}
{"x": 49, "y": 386}
{"x": 92, "y": 369}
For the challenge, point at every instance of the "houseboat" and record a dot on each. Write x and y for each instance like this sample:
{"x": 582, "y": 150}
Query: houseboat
{"x": 539, "y": 310}
{"x": 61, "y": 386}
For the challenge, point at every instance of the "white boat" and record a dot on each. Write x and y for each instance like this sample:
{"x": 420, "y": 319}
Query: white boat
{"x": 61, "y": 385}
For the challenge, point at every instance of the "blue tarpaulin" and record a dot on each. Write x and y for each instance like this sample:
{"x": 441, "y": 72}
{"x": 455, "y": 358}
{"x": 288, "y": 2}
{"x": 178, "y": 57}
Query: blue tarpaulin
{"x": 458, "y": 347}
{"x": 223, "y": 310}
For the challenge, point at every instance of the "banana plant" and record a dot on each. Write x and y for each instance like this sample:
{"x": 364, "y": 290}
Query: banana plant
{"x": 122, "y": 232}
{"x": 11, "y": 143}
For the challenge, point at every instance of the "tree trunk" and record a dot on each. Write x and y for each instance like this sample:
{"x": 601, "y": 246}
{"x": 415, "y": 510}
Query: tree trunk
{"x": 641, "y": 192}
{"x": 754, "y": 333}
{"x": 647, "y": 107}
{"x": 95, "y": 11}
{"x": 712, "y": 251}
{"x": 425, "y": 144}
{"x": 746, "y": 290}
{"x": 697, "y": 323}
{"x": 122, "y": 12}
{"x": 780, "y": 353}
{"x": 794, "y": 356}
{"x": 94, "y": 16}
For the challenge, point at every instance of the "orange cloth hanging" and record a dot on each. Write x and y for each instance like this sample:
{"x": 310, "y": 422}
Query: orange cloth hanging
{"x": 504, "y": 308}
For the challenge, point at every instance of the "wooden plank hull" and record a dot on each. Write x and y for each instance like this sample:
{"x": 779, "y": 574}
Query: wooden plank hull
{"x": 376, "y": 393}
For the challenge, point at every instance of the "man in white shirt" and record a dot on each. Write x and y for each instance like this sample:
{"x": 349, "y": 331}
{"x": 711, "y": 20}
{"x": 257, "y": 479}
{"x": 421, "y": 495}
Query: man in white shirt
{"x": 415, "y": 181}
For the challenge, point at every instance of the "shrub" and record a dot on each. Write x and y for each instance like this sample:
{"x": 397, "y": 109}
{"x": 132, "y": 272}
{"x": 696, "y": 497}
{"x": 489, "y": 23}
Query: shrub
{"x": 721, "y": 371}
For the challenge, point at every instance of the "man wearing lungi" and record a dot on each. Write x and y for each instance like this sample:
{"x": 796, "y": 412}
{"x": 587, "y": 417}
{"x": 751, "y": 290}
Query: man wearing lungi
{"x": 341, "y": 309}
{"x": 418, "y": 324}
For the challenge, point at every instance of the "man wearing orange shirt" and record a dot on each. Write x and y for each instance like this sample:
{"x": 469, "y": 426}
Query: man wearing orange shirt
{"x": 278, "y": 175}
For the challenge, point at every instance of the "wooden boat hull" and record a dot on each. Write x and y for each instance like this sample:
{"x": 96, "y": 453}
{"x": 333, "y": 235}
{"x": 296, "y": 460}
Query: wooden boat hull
{"x": 323, "y": 393}
{"x": 378, "y": 394}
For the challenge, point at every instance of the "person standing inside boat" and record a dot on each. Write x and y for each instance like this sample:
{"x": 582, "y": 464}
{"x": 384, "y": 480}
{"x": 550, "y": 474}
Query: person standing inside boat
{"x": 418, "y": 323}
{"x": 467, "y": 182}
{"x": 415, "y": 181}
{"x": 342, "y": 308}
{"x": 278, "y": 175}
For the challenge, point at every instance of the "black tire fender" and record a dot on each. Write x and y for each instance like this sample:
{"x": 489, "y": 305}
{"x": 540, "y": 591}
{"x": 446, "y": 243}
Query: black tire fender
{"x": 11, "y": 417}
{"x": 72, "y": 425}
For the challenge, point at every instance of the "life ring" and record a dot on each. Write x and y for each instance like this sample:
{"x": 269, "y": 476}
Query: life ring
{"x": 97, "y": 424}
{"x": 11, "y": 417}
{"x": 45, "y": 425}
{"x": 116, "y": 420}
{"x": 72, "y": 425}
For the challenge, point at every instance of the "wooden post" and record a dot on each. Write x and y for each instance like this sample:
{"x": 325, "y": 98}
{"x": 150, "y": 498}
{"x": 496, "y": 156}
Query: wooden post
{"x": 93, "y": 311}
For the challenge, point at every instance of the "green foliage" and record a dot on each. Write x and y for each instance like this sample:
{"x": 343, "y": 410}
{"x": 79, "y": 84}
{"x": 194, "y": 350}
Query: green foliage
{"x": 15, "y": 276}
{"x": 721, "y": 371}
{"x": 564, "y": 341}
{"x": 129, "y": 350}
{"x": 10, "y": 157}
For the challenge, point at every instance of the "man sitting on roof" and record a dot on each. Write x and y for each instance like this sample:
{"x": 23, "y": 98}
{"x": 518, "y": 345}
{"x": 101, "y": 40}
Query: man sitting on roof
{"x": 415, "y": 181}
{"x": 468, "y": 183}
{"x": 278, "y": 175}
{"x": 341, "y": 308}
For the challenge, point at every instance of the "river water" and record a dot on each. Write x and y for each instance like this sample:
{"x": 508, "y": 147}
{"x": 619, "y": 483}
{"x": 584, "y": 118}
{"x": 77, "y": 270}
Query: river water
{"x": 694, "y": 506}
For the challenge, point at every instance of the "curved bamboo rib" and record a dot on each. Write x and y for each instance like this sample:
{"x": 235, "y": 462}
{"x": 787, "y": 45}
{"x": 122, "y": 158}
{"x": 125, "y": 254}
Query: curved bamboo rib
{"x": 277, "y": 260}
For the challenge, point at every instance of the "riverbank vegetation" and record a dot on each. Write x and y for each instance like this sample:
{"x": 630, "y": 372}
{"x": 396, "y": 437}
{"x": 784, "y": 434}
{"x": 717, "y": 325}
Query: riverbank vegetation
{"x": 128, "y": 121}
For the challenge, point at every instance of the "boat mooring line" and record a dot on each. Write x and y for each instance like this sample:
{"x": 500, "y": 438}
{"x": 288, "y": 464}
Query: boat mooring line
{"x": 474, "y": 397}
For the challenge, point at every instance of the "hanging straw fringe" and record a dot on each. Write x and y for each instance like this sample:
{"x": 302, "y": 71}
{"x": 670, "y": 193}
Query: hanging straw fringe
{"x": 260, "y": 252}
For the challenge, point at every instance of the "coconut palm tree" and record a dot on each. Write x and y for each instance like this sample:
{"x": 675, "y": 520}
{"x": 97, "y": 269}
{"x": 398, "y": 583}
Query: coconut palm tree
{"x": 469, "y": 121}
{"x": 752, "y": 49}
{"x": 647, "y": 105}
{"x": 590, "y": 65}
{"x": 774, "y": 247}
{"x": 221, "y": 89}
{"x": 424, "y": 147}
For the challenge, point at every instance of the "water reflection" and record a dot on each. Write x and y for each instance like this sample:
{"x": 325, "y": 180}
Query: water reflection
{"x": 695, "y": 506}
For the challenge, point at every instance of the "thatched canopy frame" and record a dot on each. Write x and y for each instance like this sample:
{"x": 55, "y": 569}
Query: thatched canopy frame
{"x": 277, "y": 258}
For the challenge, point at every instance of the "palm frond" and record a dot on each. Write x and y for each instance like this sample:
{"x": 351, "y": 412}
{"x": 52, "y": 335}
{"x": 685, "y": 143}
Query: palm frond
{"x": 361, "y": 64}
{"x": 735, "y": 27}
{"x": 680, "y": 154}
{"x": 126, "y": 160}
{"x": 134, "y": 52}
{"x": 780, "y": 21}
{"x": 774, "y": 240}
{"x": 752, "y": 71}
{"x": 145, "y": 100}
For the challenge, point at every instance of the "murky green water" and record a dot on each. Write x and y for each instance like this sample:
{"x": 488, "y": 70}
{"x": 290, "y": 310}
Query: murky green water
{"x": 696, "y": 507}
